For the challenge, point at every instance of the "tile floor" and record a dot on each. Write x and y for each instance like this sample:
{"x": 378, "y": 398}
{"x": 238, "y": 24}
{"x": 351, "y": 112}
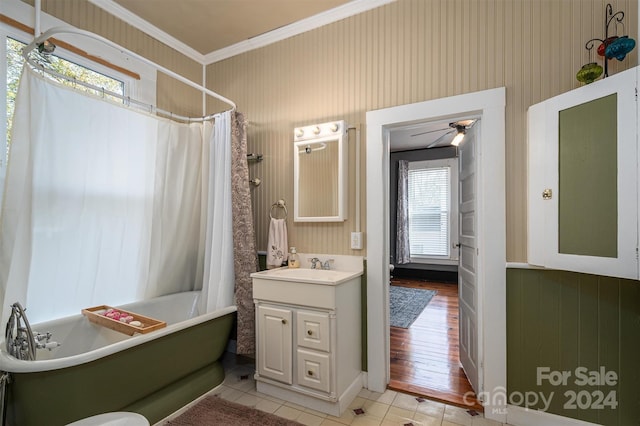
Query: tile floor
{"x": 376, "y": 409}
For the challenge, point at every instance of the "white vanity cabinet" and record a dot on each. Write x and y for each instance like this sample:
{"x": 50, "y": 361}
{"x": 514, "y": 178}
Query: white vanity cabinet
{"x": 308, "y": 337}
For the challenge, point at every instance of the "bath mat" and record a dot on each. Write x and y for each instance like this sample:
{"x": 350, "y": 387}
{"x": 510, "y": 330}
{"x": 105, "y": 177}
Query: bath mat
{"x": 406, "y": 304}
{"x": 214, "y": 410}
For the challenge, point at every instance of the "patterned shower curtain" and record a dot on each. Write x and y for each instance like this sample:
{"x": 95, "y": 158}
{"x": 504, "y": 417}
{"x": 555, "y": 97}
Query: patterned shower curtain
{"x": 245, "y": 257}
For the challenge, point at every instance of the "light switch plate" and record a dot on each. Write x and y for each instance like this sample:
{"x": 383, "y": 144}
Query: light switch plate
{"x": 356, "y": 240}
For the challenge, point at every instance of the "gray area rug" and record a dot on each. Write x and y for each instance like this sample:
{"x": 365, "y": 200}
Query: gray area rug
{"x": 406, "y": 304}
{"x": 214, "y": 410}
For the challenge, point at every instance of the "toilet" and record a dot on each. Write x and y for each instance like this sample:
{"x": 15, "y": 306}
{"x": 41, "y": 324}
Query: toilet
{"x": 119, "y": 418}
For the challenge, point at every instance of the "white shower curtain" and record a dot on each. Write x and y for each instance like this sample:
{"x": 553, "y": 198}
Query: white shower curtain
{"x": 218, "y": 244}
{"x": 102, "y": 204}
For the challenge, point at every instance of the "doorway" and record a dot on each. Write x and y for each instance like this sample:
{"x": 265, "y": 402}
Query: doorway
{"x": 491, "y": 239}
{"x": 425, "y": 180}
{"x": 424, "y": 358}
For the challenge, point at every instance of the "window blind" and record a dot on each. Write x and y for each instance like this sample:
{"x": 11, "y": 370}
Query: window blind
{"x": 429, "y": 211}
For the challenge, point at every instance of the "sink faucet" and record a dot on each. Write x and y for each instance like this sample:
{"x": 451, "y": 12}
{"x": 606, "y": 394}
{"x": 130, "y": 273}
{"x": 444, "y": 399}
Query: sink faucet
{"x": 315, "y": 263}
{"x": 326, "y": 264}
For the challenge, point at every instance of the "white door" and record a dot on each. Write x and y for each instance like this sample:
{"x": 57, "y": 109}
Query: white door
{"x": 467, "y": 269}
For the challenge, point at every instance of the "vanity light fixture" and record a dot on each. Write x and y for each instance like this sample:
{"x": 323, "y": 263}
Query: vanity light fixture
{"x": 317, "y": 131}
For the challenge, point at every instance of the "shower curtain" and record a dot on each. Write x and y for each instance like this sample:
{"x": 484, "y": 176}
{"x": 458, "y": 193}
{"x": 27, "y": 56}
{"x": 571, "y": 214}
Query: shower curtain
{"x": 103, "y": 204}
{"x": 244, "y": 241}
{"x": 230, "y": 249}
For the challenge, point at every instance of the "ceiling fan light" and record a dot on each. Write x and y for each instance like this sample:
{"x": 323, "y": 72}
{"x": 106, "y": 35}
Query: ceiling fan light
{"x": 457, "y": 139}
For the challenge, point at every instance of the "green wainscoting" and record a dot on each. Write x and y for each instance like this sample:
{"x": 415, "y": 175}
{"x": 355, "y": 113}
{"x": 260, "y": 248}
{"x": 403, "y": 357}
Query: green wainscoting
{"x": 588, "y": 179}
{"x": 564, "y": 321}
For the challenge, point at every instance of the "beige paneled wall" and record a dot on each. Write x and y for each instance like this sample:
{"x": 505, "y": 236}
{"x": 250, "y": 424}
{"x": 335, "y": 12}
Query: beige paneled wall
{"x": 404, "y": 52}
{"x": 171, "y": 95}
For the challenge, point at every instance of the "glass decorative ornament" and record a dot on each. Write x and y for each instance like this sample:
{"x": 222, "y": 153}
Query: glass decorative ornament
{"x": 619, "y": 48}
{"x": 604, "y": 45}
{"x": 589, "y": 73}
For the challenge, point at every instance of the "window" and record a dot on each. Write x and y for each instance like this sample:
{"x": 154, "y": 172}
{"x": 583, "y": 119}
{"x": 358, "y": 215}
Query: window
{"x": 433, "y": 206}
{"x": 62, "y": 66}
{"x": 11, "y": 49}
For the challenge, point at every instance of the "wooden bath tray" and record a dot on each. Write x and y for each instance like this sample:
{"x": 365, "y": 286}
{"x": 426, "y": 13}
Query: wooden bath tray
{"x": 148, "y": 324}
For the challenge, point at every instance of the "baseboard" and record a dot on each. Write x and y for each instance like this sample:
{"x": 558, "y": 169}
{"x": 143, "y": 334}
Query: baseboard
{"x": 300, "y": 396}
{"x": 428, "y": 275}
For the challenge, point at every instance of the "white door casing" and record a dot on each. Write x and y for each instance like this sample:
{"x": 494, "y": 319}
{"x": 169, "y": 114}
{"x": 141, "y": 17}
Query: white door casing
{"x": 467, "y": 268}
{"x": 491, "y": 233}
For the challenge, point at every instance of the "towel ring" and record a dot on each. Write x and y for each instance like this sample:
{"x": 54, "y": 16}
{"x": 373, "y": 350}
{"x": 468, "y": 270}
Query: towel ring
{"x": 281, "y": 204}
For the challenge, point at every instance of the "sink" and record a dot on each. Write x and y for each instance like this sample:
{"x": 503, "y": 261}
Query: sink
{"x": 306, "y": 275}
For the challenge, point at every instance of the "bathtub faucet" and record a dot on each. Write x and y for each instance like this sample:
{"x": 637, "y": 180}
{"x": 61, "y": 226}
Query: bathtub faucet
{"x": 39, "y": 337}
{"x": 20, "y": 338}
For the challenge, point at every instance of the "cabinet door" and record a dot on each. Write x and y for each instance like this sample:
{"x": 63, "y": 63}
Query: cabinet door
{"x": 274, "y": 335}
{"x": 583, "y": 191}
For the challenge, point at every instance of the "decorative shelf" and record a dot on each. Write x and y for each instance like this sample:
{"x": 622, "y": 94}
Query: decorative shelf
{"x": 254, "y": 157}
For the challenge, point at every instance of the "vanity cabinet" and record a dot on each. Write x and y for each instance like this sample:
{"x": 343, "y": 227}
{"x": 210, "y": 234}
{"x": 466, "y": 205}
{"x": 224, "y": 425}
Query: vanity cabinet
{"x": 583, "y": 179}
{"x": 308, "y": 337}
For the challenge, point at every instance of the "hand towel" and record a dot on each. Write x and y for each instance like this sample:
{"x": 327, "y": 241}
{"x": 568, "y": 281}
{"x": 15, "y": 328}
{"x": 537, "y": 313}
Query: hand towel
{"x": 277, "y": 249}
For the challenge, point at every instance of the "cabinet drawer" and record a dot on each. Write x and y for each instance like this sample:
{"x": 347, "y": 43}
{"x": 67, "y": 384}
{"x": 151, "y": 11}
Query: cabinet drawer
{"x": 313, "y": 370}
{"x": 313, "y": 330}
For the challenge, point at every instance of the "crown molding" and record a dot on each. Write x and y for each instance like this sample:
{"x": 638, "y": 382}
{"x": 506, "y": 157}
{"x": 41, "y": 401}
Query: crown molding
{"x": 336, "y": 14}
{"x": 341, "y": 12}
{"x": 135, "y": 21}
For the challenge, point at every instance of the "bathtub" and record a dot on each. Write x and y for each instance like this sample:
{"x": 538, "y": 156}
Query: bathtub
{"x": 98, "y": 370}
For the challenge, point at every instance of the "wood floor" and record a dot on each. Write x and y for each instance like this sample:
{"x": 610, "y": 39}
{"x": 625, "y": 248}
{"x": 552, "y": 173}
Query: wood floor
{"x": 424, "y": 357}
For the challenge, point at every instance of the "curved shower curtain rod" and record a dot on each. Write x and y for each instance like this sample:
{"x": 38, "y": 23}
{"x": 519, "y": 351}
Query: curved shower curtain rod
{"x": 69, "y": 30}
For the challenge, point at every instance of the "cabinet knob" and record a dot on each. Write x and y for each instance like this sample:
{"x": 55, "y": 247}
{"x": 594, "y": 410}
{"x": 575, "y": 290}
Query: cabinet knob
{"x": 310, "y": 373}
{"x": 284, "y": 321}
{"x": 309, "y": 332}
{"x": 547, "y": 194}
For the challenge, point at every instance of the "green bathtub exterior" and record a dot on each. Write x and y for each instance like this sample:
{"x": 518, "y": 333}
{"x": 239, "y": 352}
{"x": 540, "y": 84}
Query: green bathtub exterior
{"x": 153, "y": 379}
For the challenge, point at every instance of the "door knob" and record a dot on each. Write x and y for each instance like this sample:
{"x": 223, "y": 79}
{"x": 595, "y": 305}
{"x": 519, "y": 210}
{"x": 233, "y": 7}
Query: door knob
{"x": 547, "y": 194}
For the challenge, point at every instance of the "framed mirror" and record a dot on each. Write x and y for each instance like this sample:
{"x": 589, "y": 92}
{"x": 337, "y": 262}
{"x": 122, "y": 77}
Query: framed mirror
{"x": 320, "y": 173}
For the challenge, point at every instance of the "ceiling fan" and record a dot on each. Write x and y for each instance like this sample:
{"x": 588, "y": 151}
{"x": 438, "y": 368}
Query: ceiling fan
{"x": 458, "y": 127}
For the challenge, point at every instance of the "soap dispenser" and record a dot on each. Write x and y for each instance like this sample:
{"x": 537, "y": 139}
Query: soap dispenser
{"x": 294, "y": 259}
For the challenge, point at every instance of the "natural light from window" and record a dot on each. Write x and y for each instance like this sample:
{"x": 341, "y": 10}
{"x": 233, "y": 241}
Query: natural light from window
{"x": 62, "y": 66}
{"x": 429, "y": 211}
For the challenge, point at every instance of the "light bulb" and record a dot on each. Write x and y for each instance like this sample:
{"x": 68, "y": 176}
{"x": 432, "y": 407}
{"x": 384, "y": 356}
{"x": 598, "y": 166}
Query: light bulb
{"x": 456, "y": 141}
